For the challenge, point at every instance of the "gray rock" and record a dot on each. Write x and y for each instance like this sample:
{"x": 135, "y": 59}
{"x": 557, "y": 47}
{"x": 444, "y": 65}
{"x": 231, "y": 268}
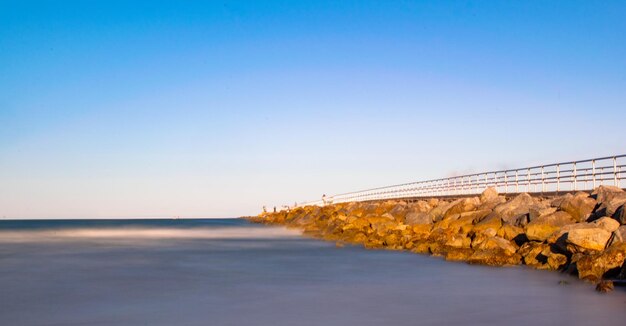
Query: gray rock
{"x": 414, "y": 218}
{"x": 515, "y": 207}
{"x": 488, "y": 195}
{"x": 579, "y": 206}
{"x": 609, "y": 199}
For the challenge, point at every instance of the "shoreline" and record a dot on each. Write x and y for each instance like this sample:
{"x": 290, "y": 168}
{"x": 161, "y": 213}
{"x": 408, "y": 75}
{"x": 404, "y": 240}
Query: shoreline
{"x": 582, "y": 234}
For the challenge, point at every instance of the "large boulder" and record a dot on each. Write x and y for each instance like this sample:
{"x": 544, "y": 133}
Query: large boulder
{"x": 488, "y": 194}
{"x": 482, "y": 242}
{"x": 609, "y": 199}
{"x": 593, "y": 267}
{"x": 588, "y": 238}
{"x": 437, "y": 212}
{"x": 558, "y": 200}
{"x": 578, "y": 206}
{"x": 491, "y": 221}
{"x": 461, "y": 206}
{"x": 465, "y": 222}
{"x": 511, "y": 209}
{"x": 413, "y": 218}
{"x": 606, "y": 223}
{"x": 512, "y": 232}
{"x": 543, "y": 227}
{"x": 399, "y": 211}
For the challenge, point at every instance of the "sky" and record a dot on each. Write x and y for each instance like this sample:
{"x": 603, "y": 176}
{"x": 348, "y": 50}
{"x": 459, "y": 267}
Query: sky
{"x": 216, "y": 108}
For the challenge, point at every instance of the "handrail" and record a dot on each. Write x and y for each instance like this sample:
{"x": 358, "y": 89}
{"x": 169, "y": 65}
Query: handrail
{"x": 555, "y": 177}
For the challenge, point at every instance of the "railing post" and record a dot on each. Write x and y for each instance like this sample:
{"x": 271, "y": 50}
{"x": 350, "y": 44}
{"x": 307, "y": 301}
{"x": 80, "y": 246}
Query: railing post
{"x": 575, "y": 186}
{"x": 506, "y": 182}
{"x": 593, "y": 173}
{"x": 495, "y": 180}
{"x": 615, "y": 182}
{"x": 558, "y": 178}
{"x": 516, "y": 181}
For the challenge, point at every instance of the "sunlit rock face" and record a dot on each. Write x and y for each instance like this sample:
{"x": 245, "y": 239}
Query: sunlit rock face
{"x": 580, "y": 233}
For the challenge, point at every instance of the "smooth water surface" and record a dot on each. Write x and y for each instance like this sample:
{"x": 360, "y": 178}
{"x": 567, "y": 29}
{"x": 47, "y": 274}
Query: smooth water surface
{"x": 230, "y": 272}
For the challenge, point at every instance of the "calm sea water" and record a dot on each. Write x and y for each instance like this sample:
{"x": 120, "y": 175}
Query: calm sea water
{"x": 230, "y": 272}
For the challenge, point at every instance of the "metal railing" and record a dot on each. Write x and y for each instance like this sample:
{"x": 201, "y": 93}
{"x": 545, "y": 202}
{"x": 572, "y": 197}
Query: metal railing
{"x": 558, "y": 177}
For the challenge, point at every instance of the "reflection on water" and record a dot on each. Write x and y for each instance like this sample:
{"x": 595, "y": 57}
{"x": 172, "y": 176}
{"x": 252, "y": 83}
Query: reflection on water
{"x": 229, "y": 272}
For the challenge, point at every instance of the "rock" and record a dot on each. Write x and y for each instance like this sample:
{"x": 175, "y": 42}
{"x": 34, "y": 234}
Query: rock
{"x": 511, "y": 232}
{"x": 620, "y": 214}
{"x": 357, "y": 238}
{"x": 521, "y": 220}
{"x": 578, "y": 206}
{"x": 594, "y": 266}
{"x": 461, "y": 206}
{"x": 605, "y": 286}
{"x": 488, "y": 195}
{"x": 531, "y": 254}
{"x": 493, "y": 258}
{"x": 542, "y": 227}
{"x": 619, "y": 236}
{"x": 538, "y": 210}
{"x": 458, "y": 241}
{"x": 493, "y": 243}
{"x": 557, "y": 201}
{"x": 609, "y": 199}
{"x": 589, "y": 238}
{"x": 393, "y": 241}
{"x": 421, "y": 231}
{"x": 607, "y": 223}
{"x": 399, "y": 211}
{"x": 541, "y": 256}
{"x": 490, "y": 205}
{"x": 465, "y": 221}
{"x": 355, "y": 223}
{"x": 421, "y": 248}
{"x": 491, "y": 221}
{"x": 459, "y": 254}
{"x": 414, "y": 218}
{"x": 437, "y": 212}
{"x": 421, "y": 206}
{"x": 514, "y": 207}
{"x": 489, "y": 232}
{"x": 556, "y": 261}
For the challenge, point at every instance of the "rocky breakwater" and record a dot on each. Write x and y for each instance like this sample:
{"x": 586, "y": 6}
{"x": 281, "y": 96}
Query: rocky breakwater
{"x": 583, "y": 234}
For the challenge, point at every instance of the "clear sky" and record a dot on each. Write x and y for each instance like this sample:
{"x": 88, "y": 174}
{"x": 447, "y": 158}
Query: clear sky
{"x": 215, "y": 108}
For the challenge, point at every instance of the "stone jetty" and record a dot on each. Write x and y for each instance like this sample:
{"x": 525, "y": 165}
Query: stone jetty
{"x": 579, "y": 233}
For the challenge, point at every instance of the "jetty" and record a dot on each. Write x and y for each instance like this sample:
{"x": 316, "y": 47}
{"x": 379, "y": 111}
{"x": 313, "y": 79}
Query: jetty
{"x": 568, "y": 217}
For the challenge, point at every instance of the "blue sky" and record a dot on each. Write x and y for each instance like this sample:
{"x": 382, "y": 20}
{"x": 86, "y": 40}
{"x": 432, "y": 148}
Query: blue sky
{"x": 213, "y": 109}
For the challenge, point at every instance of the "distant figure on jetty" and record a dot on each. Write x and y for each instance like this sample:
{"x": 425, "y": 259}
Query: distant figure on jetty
{"x": 274, "y": 209}
{"x": 264, "y": 209}
{"x": 324, "y": 199}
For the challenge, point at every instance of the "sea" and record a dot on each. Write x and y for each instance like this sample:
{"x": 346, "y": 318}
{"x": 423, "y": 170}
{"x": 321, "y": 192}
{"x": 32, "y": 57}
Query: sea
{"x": 232, "y": 272}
